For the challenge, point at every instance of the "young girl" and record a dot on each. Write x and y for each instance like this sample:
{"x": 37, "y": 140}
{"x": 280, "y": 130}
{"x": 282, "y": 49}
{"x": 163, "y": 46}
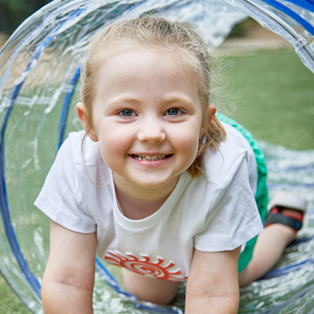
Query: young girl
{"x": 156, "y": 184}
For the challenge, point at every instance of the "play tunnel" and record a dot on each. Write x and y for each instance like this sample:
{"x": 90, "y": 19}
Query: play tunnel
{"x": 39, "y": 86}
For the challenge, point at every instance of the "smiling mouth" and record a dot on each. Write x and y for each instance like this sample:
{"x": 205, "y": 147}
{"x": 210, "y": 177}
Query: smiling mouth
{"x": 150, "y": 158}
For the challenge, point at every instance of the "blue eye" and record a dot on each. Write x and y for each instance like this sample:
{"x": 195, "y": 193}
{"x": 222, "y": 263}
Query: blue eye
{"x": 173, "y": 112}
{"x": 126, "y": 113}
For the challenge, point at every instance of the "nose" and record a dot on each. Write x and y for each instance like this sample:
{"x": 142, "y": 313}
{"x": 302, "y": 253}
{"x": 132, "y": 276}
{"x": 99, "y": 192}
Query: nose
{"x": 151, "y": 130}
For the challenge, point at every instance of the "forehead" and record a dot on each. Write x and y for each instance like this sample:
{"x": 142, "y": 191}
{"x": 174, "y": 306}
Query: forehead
{"x": 155, "y": 67}
{"x": 144, "y": 56}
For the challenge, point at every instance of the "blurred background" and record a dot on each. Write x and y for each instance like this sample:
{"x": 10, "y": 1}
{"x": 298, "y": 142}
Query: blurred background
{"x": 14, "y": 12}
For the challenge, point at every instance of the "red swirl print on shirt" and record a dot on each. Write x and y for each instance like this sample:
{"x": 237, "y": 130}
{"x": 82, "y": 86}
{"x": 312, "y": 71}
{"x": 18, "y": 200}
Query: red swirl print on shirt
{"x": 145, "y": 266}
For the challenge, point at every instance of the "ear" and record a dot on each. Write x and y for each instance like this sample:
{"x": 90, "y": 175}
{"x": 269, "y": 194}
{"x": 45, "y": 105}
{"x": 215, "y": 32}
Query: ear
{"x": 211, "y": 111}
{"x": 83, "y": 115}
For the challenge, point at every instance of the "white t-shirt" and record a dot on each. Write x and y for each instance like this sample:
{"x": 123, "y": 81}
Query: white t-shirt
{"x": 215, "y": 212}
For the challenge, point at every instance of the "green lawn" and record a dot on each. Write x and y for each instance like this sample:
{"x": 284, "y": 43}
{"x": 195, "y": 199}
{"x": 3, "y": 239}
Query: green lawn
{"x": 9, "y": 303}
{"x": 271, "y": 93}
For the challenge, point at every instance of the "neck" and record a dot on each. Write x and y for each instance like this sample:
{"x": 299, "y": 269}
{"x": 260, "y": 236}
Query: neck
{"x": 140, "y": 202}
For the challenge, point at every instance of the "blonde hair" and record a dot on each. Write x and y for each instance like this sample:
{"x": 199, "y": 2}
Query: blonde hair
{"x": 153, "y": 31}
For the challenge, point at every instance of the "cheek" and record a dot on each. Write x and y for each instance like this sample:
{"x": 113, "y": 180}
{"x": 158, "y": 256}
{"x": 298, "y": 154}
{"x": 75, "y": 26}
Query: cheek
{"x": 114, "y": 142}
{"x": 186, "y": 142}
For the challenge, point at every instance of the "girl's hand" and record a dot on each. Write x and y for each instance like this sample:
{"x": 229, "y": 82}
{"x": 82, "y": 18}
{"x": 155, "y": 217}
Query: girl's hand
{"x": 68, "y": 280}
{"x": 212, "y": 286}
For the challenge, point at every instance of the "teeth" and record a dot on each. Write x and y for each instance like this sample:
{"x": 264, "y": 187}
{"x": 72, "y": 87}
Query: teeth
{"x": 150, "y": 158}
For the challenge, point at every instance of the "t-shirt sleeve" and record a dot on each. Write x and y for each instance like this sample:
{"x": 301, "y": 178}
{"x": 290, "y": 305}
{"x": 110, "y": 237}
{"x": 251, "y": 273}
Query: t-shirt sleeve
{"x": 60, "y": 197}
{"x": 234, "y": 218}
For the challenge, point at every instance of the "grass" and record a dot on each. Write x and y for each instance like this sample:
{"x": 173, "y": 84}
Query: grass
{"x": 9, "y": 303}
{"x": 274, "y": 96}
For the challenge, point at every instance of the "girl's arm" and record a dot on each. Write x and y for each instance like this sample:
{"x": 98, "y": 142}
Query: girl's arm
{"x": 68, "y": 280}
{"x": 212, "y": 286}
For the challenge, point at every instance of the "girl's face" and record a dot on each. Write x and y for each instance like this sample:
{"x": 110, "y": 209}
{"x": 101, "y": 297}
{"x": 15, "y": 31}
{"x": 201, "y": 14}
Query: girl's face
{"x": 147, "y": 118}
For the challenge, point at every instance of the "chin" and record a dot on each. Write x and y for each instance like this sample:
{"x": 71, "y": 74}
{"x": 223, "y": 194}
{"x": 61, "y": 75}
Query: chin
{"x": 151, "y": 185}
{"x": 155, "y": 183}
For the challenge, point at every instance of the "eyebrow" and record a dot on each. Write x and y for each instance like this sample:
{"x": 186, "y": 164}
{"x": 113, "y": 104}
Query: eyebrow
{"x": 121, "y": 100}
{"x": 178, "y": 99}
{"x": 165, "y": 100}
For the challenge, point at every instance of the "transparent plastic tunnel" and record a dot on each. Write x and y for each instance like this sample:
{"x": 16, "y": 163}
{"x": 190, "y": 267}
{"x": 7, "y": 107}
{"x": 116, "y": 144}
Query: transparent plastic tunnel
{"x": 39, "y": 86}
